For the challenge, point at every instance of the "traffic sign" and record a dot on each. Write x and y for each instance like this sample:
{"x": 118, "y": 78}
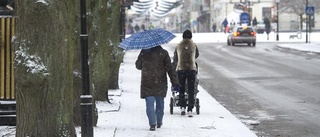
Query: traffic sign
{"x": 310, "y": 10}
{"x": 245, "y": 18}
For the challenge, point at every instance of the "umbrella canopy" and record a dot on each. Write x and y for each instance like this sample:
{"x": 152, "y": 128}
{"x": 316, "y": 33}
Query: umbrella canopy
{"x": 147, "y": 39}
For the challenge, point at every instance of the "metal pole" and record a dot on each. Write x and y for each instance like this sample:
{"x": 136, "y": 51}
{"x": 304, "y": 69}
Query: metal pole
{"x": 277, "y": 38}
{"x": 306, "y": 25}
{"x": 309, "y": 23}
{"x": 85, "y": 98}
{"x": 249, "y": 11}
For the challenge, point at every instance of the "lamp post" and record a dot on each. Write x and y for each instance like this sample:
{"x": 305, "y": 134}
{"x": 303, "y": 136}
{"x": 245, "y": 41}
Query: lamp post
{"x": 85, "y": 98}
{"x": 249, "y": 11}
{"x": 307, "y": 23}
{"x": 277, "y": 1}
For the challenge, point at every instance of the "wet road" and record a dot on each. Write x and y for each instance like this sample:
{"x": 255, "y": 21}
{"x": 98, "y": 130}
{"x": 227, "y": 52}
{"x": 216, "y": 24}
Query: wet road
{"x": 276, "y": 92}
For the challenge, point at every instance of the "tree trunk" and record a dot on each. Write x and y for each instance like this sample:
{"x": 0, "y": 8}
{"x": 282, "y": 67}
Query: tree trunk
{"x": 77, "y": 81}
{"x": 105, "y": 56}
{"x": 117, "y": 53}
{"x": 44, "y": 44}
{"x": 103, "y": 38}
{"x": 99, "y": 57}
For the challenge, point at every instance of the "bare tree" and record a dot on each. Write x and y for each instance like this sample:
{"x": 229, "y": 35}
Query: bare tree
{"x": 44, "y": 45}
{"x": 298, "y": 7}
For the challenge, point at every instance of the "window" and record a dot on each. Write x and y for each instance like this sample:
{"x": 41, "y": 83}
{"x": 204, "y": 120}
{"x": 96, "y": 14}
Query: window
{"x": 266, "y": 12}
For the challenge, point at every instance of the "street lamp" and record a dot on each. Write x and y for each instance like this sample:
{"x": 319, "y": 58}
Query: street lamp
{"x": 85, "y": 98}
{"x": 248, "y": 3}
{"x": 277, "y": 1}
{"x": 307, "y": 24}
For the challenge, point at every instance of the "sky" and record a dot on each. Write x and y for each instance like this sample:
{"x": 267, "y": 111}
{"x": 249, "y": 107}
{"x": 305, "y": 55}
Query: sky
{"x": 126, "y": 116}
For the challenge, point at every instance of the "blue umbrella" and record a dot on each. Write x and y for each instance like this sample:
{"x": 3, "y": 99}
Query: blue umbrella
{"x": 147, "y": 39}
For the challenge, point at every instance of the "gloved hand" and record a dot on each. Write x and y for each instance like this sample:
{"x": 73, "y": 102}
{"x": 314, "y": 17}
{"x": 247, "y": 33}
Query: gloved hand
{"x": 175, "y": 88}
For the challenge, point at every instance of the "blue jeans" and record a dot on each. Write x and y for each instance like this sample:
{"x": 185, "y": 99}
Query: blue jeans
{"x": 154, "y": 116}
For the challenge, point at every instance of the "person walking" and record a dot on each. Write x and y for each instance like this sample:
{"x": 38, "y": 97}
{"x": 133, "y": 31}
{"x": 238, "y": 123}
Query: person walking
{"x": 137, "y": 28}
{"x": 143, "y": 27}
{"x": 225, "y": 25}
{"x": 185, "y": 55}
{"x": 214, "y": 27}
{"x": 130, "y": 29}
{"x": 155, "y": 64}
{"x": 254, "y": 22}
{"x": 151, "y": 25}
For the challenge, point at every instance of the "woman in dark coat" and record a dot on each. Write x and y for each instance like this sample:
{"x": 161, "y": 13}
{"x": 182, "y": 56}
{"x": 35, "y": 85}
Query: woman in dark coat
{"x": 155, "y": 64}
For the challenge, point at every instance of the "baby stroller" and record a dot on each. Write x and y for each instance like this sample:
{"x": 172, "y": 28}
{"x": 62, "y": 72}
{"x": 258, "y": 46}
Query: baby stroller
{"x": 174, "y": 100}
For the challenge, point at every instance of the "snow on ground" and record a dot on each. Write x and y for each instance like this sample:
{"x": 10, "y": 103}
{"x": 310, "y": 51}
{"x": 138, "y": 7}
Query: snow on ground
{"x": 131, "y": 119}
{"x": 126, "y": 117}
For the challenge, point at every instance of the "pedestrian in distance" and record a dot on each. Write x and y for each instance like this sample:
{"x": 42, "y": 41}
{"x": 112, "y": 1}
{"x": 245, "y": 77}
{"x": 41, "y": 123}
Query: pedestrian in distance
{"x": 214, "y": 27}
{"x": 254, "y": 22}
{"x": 225, "y": 25}
{"x": 151, "y": 25}
{"x": 130, "y": 29}
{"x": 155, "y": 64}
{"x": 137, "y": 28}
{"x": 267, "y": 26}
{"x": 185, "y": 55}
{"x": 232, "y": 25}
{"x": 143, "y": 27}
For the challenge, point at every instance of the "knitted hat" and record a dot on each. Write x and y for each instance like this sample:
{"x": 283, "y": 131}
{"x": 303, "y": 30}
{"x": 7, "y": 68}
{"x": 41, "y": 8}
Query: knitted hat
{"x": 187, "y": 34}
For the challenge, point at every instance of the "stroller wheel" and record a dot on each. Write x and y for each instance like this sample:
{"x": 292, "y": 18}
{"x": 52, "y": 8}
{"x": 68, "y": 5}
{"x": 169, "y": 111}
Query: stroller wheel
{"x": 171, "y": 105}
{"x": 197, "y": 104}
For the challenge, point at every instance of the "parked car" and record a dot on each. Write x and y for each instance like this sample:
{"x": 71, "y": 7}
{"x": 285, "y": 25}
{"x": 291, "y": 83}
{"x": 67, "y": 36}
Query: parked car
{"x": 260, "y": 28}
{"x": 242, "y": 34}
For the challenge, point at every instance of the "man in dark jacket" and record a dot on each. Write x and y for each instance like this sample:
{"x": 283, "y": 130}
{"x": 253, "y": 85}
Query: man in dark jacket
{"x": 137, "y": 28}
{"x": 214, "y": 27}
{"x": 225, "y": 25}
{"x": 185, "y": 55}
{"x": 155, "y": 64}
{"x": 254, "y": 22}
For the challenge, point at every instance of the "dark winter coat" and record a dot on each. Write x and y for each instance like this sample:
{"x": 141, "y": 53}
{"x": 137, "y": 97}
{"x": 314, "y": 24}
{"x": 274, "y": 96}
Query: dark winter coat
{"x": 155, "y": 64}
{"x": 225, "y": 23}
{"x": 185, "y": 55}
{"x": 137, "y": 28}
{"x": 143, "y": 27}
{"x": 254, "y": 21}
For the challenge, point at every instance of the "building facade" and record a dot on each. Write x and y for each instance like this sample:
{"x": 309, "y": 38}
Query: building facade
{"x": 202, "y": 14}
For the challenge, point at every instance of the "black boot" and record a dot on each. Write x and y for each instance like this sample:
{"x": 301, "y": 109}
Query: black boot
{"x": 159, "y": 125}
{"x": 152, "y": 127}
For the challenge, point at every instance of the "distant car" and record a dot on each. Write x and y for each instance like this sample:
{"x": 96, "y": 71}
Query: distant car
{"x": 242, "y": 34}
{"x": 260, "y": 28}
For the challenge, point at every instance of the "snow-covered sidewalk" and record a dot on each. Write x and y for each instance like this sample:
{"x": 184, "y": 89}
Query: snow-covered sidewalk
{"x": 126, "y": 116}
{"x": 306, "y": 47}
